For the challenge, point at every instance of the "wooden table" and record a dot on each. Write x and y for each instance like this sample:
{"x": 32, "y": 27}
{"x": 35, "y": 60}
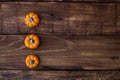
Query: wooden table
{"x": 79, "y": 41}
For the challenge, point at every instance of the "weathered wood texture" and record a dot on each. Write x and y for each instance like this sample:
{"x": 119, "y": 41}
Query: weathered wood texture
{"x": 59, "y": 75}
{"x": 64, "y": 18}
{"x": 66, "y": 0}
{"x": 84, "y": 0}
{"x": 0, "y": 18}
{"x": 118, "y": 18}
{"x": 63, "y": 53}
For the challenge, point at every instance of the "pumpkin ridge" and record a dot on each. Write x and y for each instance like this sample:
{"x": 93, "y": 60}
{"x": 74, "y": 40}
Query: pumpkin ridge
{"x": 32, "y": 19}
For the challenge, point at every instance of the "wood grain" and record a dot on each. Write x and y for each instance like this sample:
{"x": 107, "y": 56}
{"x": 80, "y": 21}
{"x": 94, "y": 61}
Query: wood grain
{"x": 118, "y": 18}
{"x": 59, "y": 75}
{"x": 66, "y": 0}
{"x": 68, "y": 19}
{"x": 9, "y": 19}
{"x": 62, "y": 56}
{"x": 62, "y": 53}
{"x": 0, "y": 18}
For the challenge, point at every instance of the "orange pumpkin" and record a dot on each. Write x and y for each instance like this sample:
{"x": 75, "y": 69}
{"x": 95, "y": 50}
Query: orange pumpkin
{"x": 32, "y": 19}
{"x": 32, "y": 61}
{"x": 32, "y": 41}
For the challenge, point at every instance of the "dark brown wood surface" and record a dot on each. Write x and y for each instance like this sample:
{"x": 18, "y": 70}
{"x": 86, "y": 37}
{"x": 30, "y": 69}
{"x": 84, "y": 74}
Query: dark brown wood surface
{"x": 64, "y": 18}
{"x": 63, "y": 53}
{"x": 112, "y": 1}
{"x": 59, "y": 75}
{"x": 74, "y": 37}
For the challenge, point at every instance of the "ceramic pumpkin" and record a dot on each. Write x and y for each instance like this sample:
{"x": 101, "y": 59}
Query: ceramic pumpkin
{"x": 32, "y": 41}
{"x": 32, "y": 61}
{"x": 32, "y": 19}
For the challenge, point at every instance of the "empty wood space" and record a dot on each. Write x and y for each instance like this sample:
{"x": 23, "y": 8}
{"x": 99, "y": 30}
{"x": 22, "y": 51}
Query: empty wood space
{"x": 59, "y": 75}
{"x": 106, "y": 1}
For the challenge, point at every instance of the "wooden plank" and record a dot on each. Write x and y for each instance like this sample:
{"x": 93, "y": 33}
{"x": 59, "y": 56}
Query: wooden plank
{"x": 0, "y": 18}
{"x": 101, "y": 0}
{"x": 118, "y": 18}
{"x": 62, "y": 53}
{"x": 85, "y": 19}
{"x": 108, "y": 18}
{"x": 9, "y": 18}
{"x": 65, "y": 18}
{"x": 67, "y": 0}
{"x": 92, "y": 19}
{"x": 60, "y": 17}
{"x": 59, "y": 75}
{"x": 43, "y": 9}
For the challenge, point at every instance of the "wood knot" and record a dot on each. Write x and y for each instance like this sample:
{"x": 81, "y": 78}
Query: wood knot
{"x": 115, "y": 58}
{"x": 52, "y": 14}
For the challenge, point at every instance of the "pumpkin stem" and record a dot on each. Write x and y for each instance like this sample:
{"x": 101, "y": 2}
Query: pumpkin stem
{"x": 32, "y": 61}
{"x": 32, "y": 40}
{"x": 31, "y": 19}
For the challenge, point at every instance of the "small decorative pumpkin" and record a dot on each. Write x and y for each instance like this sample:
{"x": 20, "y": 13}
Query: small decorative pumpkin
{"x": 32, "y": 41}
{"x": 32, "y": 61}
{"x": 32, "y": 19}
